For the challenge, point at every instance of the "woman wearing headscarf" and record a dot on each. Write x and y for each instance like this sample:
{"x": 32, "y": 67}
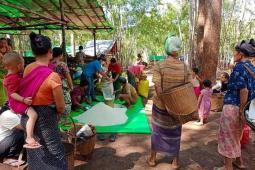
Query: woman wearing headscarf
{"x": 240, "y": 90}
{"x": 166, "y": 130}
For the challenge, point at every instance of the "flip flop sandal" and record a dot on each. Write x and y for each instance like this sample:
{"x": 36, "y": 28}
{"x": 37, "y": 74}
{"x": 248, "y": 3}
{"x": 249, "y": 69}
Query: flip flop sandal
{"x": 218, "y": 168}
{"x": 29, "y": 146}
{"x": 174, "y": 168}
{"x": 14, "y": 162}
{"x": 238, "y": 166}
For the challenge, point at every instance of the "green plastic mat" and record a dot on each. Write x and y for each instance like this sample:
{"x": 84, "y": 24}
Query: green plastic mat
{"x": 156, "y": 58}
{"x": 137, "y": 122}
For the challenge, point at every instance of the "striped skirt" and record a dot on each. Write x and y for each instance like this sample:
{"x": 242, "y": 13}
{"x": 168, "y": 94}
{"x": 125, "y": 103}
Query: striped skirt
{"x": 230, "y": 132}
{"x": 166, "y": 137}
{"x": 51, "y": 156}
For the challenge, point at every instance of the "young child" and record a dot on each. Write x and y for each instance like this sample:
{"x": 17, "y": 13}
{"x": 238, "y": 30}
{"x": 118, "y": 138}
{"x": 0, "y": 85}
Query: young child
{"x": 14, "y": 64}
{"x": 204, "y": 104}
{"x": 196, "y": 81}
{"x": 143, "y": 87}
{"x": 222, "y": 86}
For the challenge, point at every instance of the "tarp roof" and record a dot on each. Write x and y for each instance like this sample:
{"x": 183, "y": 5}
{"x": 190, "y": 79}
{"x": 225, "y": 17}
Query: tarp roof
{"x": 102, "y": 47}
{"x": 46, "y": 14}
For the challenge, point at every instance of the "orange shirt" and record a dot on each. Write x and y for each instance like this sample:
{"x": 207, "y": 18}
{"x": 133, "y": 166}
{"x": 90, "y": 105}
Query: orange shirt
{"x": 44, "y": 95}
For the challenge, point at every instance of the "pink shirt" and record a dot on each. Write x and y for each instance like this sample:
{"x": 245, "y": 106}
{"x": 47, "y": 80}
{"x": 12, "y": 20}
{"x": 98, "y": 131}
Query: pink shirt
{"x": 11, "y": 83}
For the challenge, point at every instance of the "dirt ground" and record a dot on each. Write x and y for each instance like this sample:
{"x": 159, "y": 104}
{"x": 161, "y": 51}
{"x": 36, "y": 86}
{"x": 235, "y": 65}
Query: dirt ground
{"x": 198, "y": 150}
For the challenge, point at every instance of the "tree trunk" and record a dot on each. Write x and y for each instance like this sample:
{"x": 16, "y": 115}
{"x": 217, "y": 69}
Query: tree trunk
{"x": 192, "y": 11}
{"x": 200, "y": 33}
{"x": 211, "y": 42}
{"x": 208, "y": 37}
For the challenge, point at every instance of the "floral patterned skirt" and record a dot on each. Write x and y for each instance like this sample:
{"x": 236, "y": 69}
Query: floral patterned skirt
{"x": 230, "y": 132}
{"x": 67, "y": 97}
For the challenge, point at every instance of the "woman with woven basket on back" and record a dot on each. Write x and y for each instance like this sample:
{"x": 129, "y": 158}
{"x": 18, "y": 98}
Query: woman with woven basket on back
{"x": 168, "y": 74}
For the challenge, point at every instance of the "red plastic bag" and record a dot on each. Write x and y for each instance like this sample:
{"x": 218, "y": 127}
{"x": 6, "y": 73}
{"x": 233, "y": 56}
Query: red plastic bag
{"x": 246, "y": 135}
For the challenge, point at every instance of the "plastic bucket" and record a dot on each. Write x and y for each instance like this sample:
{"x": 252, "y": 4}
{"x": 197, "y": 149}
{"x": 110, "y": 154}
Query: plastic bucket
{"x": 107, "y": 90}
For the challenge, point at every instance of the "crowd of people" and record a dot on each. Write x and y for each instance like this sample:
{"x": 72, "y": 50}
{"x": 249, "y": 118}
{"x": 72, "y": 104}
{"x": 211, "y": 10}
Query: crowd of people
{"x": 35, "y": 103}
{"x": 238, "y": 89}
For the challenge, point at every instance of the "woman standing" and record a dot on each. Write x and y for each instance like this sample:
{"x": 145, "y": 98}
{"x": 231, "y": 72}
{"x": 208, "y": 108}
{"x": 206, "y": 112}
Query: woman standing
{"x": 115, "y": 69}
{"x": 166, "y": 130}
{"x": 48, "y": 101}
{"x": 240, "y": 90}
{"x": 63, "y": 71}
{"x": 3, "y": 50}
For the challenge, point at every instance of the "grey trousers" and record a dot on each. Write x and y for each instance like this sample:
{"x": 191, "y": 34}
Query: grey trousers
{"x": 12, "y": 145}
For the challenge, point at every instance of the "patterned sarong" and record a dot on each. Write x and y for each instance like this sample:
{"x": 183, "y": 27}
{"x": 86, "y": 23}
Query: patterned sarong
{"x": 51, "y": 156}
{"x": 230, "y": 132}
{"x": 165, "y": 138}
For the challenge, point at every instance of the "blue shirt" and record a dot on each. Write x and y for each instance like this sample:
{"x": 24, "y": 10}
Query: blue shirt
{"x": 240, "y": 78}
{"x": 91, "y": 68}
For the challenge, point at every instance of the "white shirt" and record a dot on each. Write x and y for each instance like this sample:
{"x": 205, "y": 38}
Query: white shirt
{"x": 195, "y": 82}
{"x": 217, "y": 86}
{"x": 8, "y": 120}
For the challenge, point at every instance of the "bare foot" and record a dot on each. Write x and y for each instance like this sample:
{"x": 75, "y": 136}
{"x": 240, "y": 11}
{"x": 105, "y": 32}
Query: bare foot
{"x": 174, "y": 164}
{"x": 239, "y": 165}
{"x": 219, "y": 168}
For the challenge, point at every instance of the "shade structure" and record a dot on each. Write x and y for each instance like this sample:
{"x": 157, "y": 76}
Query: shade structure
{"x": 102, "y": 47}
{"x": 46, "y": 14}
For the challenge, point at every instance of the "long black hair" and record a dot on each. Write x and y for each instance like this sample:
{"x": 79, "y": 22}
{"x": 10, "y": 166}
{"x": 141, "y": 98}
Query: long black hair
{"x": 40, "y": 44}
{"x": 56, "y": 52}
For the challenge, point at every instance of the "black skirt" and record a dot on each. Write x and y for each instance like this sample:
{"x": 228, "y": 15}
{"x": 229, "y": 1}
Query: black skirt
{"x": 51, "y": 155}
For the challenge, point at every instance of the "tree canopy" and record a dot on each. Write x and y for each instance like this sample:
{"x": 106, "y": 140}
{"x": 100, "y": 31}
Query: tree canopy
{"x": 141, "y": 26}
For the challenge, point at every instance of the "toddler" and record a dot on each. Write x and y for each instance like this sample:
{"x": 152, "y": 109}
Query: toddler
{"x": 14, "y": 64}
{"x": 143, "y": 87}
{"x": 204, "y": 103}
{"x": 196, "y": 81}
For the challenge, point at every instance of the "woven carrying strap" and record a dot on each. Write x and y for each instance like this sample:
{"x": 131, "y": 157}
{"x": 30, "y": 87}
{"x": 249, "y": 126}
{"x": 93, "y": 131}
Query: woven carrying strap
{"x": 250, "y": 71}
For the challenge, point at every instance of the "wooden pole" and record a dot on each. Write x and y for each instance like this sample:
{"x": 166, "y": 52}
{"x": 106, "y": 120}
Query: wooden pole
{"x": 72, "y": 44}
{"x": 95, "y": 49}
{"x": 63, "y": 45}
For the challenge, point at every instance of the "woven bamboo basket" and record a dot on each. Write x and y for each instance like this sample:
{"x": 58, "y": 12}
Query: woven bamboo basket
{"x": 217, "y": 102}
{"x": 84, "y": 147}
{"x": 69, "y": 151}
{"x": 181, "y": 101}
